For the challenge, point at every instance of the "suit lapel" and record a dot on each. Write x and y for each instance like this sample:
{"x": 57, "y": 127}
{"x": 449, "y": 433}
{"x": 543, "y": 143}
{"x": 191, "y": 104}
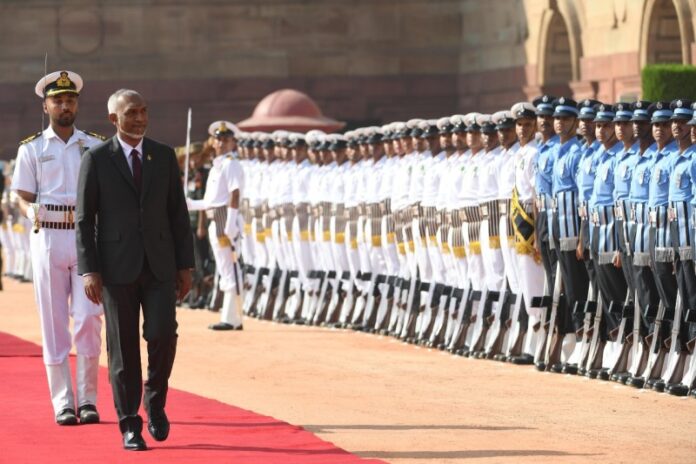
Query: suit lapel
{"x": 119, "y": 160}
{"x": 148, "y": 166}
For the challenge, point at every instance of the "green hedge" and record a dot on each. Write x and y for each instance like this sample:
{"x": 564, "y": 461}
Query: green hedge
{"x": 667, "y": 82}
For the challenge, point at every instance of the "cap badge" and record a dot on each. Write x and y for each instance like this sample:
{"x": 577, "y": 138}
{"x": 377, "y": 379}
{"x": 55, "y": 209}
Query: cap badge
{"x": 545, "y": 98}
{"x": 659, "y": 105}
{"x": 679, "y": 103}
{"x": 63, "y": 81}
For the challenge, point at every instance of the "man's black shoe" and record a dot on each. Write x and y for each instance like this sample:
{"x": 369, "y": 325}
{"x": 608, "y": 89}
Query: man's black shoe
{"x": 158, "y": 426}
{"x": 133, "y": 441}
{"x": 66, "y": 417}
{"x": 88, "y": 414}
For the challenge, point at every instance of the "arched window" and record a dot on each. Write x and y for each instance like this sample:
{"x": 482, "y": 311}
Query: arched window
{"x": 558, "y": 69}
{"x": 664, "y": 41}
{"x": 556, "y": 62}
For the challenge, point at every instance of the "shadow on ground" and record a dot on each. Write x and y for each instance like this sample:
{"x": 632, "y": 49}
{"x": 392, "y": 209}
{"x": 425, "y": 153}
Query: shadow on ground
{"x": 466, "y": 454}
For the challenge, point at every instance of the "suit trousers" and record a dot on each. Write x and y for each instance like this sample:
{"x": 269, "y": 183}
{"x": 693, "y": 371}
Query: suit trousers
{"x": 122, "y": 305}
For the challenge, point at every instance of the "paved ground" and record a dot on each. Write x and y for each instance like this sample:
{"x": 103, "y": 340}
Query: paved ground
{"x": 383, "y": 399}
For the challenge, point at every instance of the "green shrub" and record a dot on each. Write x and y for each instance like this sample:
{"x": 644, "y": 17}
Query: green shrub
{"x": 667, "y": 82}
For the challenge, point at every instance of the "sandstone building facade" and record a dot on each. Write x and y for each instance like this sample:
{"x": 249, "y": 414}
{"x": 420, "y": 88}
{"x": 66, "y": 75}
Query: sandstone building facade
{"x": 363, "y": 61}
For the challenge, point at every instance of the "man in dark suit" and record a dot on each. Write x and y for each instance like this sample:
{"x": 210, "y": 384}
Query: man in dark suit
{"x": 134, "y": 249}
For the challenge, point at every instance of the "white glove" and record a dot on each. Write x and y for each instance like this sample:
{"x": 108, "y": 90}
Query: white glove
{"x": 32, "y": 212}
{"x": 195, "y": 205}
{"x": 232, "y": 224}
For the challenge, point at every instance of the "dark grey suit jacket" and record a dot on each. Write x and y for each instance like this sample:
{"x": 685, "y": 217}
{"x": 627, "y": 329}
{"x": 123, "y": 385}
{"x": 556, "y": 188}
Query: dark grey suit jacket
{"x": 116, "y": 228}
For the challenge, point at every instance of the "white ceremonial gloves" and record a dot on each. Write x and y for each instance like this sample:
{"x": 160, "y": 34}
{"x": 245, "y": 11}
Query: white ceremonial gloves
{"x": 34, "y": 211}
{"x": 232, "y": 229}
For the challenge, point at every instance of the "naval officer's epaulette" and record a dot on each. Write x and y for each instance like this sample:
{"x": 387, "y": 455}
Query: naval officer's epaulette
{"x": 30, "y": 138}
{"x": 94, "y": 134}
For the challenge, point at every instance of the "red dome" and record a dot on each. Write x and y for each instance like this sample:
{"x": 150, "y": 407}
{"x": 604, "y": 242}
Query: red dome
{"x": 291, "y": 110}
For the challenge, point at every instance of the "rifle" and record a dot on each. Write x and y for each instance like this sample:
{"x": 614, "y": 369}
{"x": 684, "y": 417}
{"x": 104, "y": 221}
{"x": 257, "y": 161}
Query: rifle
{"x": 553, "y": 343}
{"x": 596, "y": 351}
{"x": 676, "y": 357}
{"x": 36, "y": 206}
{"x": 384, "y": 310}
{"x": 544, "y": 303}
{"x": 463, "y": 320}
{"x": 639, "y": 351}
{"x": 656, "y": 352}
{"x": 440, "y": 327}
{"x": 451, "y": 317}
{"x": 499, "y": 324}
{"x": 517, "y": 331}
{"x": 430, "y": 313}
{"x": 482, "y": 323}
{"x": 688, "y": 381}
{"x": 188, "y": 152}
{"x": 618, "y": 363}
{"x": 589, "y": 309}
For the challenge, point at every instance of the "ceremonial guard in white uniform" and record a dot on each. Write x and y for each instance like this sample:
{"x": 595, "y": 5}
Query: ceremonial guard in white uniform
{"x": 529, "y": 269}
{"x": 46, "y": 177}
{"x": 221, "y": 201}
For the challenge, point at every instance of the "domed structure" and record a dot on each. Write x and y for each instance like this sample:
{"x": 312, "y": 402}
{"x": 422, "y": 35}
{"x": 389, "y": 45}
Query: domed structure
{"x": 291, "y": 110}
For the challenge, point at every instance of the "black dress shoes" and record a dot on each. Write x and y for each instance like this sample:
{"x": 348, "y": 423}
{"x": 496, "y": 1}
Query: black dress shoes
{"x": 66, "y": 417}
{"x": 133, "y": 441}
{"x": 571, "y": 369}
{"x": 638, "y": 382}
{"x": 88, "y": 414}
{"x": 158, "y": 425}
{"x": 224, "y": 326}
{"x": 677, "y": 389}
{"x": 522, "y": 359}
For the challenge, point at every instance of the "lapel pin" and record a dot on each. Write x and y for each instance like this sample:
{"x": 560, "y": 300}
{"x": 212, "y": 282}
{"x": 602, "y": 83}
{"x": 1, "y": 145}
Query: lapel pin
{"x": 149, "y": 157}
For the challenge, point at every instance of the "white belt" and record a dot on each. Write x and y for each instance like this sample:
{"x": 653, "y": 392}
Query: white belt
{"x": 56, "y": 216}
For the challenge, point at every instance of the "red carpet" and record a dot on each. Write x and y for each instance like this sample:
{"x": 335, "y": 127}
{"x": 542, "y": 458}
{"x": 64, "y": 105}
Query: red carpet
{"x": 203, "y": 430}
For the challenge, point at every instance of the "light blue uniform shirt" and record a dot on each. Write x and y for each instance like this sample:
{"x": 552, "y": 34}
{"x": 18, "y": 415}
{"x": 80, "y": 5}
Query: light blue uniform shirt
{"x": 680, "y": 178}
{"x": 658, "y": 193}
{"x": 640, "y": 181}
{"x": 565, "y": 167}
{"x": 587, "y": 169}
{"x": 544, "y": 166}
{"x": 625, "y": 162}
{"x": 603, "y": 188}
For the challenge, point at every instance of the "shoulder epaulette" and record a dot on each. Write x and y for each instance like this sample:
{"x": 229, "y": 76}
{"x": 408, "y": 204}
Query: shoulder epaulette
{"x": 30, "y": 138}
{"x": 95, "y": 135}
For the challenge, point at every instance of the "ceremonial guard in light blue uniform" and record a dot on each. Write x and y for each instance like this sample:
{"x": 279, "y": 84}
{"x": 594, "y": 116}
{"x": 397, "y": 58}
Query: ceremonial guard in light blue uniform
{"x": 660, "y": 244}
{"x": 688, "y": 383}
{"x": 644, "y": 281}
{"x": 589, "y": 147}
{"x": 605, "y": 238}
{"x": 566, "y": 226}
{"x": 679, "y": 212}
{"x": 543, "y": 169}
{"x": 626, "y": 158}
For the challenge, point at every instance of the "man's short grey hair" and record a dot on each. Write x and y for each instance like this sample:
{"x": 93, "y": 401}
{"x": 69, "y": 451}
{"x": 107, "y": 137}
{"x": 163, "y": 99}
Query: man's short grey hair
{"x": 112, "y": 104}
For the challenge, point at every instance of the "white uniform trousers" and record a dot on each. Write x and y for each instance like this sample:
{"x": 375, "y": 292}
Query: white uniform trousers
{"x": 259, "y": 243}
{"x": 7, "y": 247}
{"x": 493, "y": 264}
{"x": 60, "y": 294}
{"x": 230, "y": 279}
{"x": 391, "y": 254}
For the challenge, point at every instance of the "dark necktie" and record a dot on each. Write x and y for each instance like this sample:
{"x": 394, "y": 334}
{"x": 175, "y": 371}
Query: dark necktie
{"x": 137, "y": 169}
